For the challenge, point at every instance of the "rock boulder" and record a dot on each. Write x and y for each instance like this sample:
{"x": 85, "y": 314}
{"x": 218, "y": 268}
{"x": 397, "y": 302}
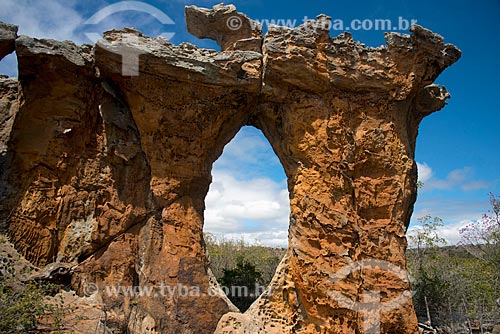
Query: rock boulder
{"x": 8, "y": 35}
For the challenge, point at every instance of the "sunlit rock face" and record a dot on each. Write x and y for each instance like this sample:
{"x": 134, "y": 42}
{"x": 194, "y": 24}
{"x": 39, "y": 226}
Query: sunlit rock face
{"x": 107, "y": 153}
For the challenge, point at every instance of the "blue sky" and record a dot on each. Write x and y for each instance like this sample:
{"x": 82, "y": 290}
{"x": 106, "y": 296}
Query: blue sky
{"x": 457, "y": 148}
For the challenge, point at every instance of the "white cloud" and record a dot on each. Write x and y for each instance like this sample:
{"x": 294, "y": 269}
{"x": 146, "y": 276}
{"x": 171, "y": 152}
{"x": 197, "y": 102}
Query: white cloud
{"x": 449, "y": 232}
{"x": 474, "y": 185}
{"x": 66, "y": 20}
{"x": 243, "y": 206}
{"x": 453, "y": 179}
{"x": 55, "y": 19}
{"x": 43, "y": 19}
{"x": 451, "y": 210}
{"x": 248, "y": 197}
{"x": 277, "y": 239}
{"x": 424, "y": 172}
{"x": 445, "y": 198}
{"x": 461, "y": 178}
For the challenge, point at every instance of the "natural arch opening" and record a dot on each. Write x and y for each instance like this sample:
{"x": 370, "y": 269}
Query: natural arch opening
{"x": 246, "y": 217}
{"x": 8, "y": 65}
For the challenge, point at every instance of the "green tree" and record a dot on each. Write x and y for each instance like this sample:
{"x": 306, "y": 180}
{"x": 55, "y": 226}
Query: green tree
{"x": 425, "y": 266}
{"x": 242, "y": 283}
{"x": 426, "y": 242}
{"x": 224, "y": 254}
{"x": 451, "y": 286}
{"x": 24, "y": 306}
{"x": 482, "y": 238}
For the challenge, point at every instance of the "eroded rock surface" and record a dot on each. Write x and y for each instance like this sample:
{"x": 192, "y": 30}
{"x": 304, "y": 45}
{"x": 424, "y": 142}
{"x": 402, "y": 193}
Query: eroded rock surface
{"x": 8, "y": 35}
{"x": 106, "y": 171}
{"x": 230, "y": 29}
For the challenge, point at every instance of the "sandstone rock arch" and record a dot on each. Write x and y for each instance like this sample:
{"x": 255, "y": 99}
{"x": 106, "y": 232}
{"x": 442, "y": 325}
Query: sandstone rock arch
{"x": 109, "y": 172}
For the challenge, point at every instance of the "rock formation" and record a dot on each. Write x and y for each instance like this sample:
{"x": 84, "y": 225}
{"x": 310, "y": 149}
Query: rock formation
{"x": 8, "y": 35}
{"x": 108, "y": 172}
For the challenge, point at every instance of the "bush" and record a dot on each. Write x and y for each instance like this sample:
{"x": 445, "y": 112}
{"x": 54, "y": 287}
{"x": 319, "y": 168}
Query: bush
{"x": 242, "y": 283}
{"x": 454, "y": 285}
{"x": 238, "y": 264}
{"x": 22, "y": 305}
